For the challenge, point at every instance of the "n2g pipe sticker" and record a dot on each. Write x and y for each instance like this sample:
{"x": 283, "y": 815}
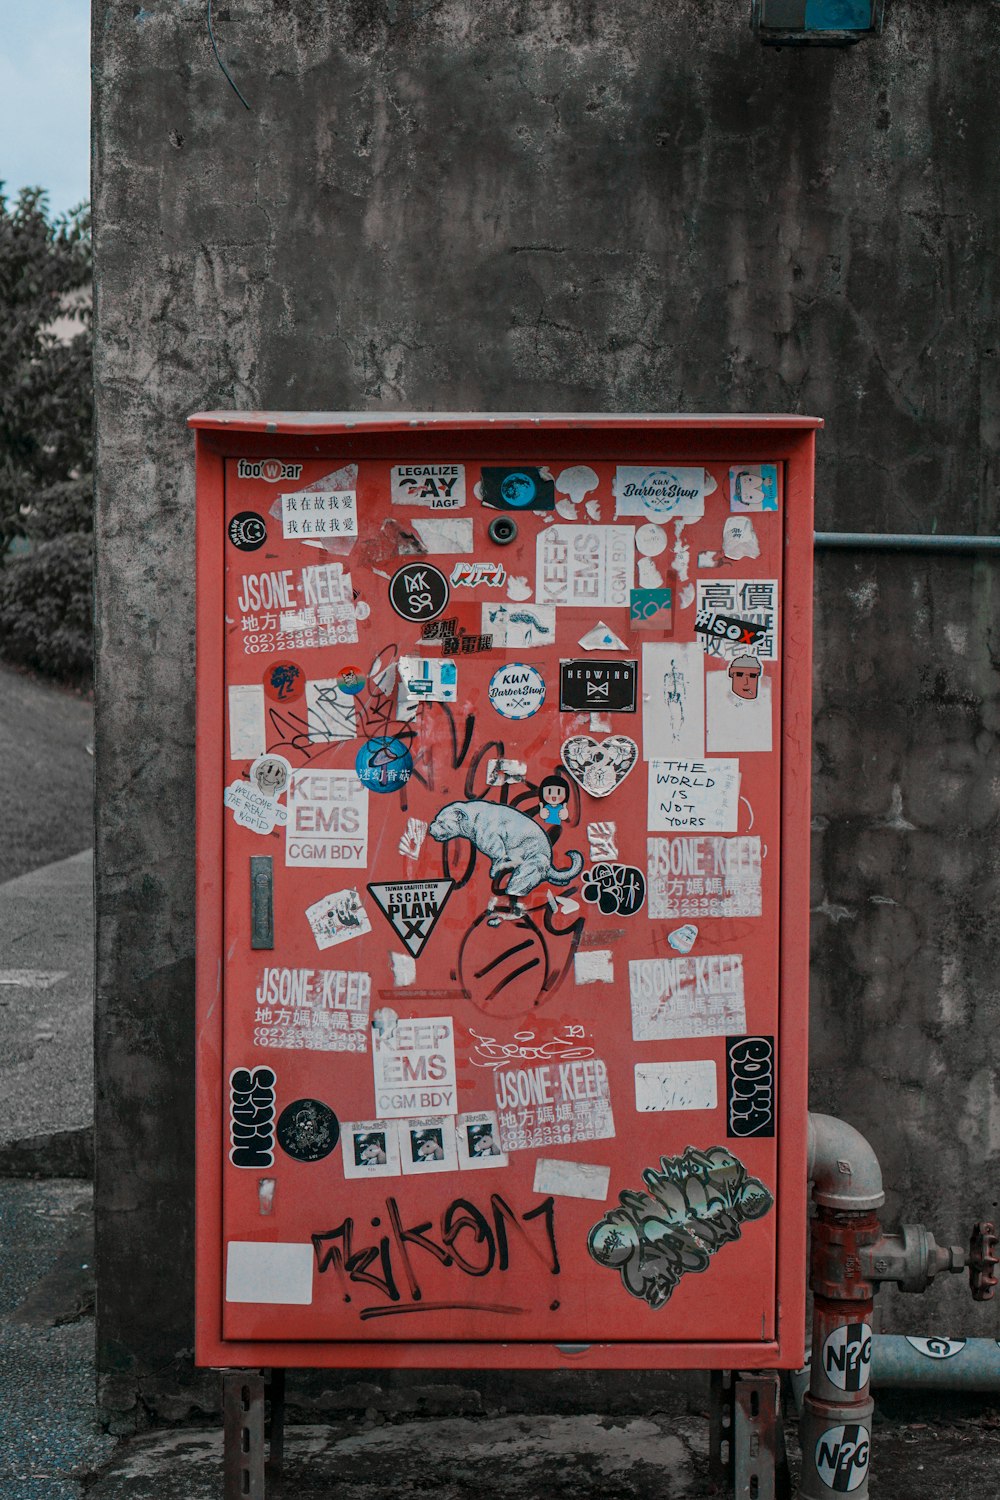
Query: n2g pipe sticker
{"x": 847, "y": 1356}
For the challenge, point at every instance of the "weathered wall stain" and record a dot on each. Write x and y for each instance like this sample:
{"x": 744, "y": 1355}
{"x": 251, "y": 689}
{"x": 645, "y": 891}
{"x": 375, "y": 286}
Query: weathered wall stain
{"x": 574, "y": 206}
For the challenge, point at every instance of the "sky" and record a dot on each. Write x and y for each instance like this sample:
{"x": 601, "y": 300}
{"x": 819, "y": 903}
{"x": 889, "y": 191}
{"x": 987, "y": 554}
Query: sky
{"x": 45, "y": 99}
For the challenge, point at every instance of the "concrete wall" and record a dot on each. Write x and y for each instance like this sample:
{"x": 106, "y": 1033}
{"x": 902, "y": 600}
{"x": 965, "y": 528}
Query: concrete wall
{"x": 579, "y": 206}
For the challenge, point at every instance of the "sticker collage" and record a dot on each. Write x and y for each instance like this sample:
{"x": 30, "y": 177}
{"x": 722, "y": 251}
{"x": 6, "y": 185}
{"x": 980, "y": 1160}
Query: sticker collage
{"x": 510, "y": 735}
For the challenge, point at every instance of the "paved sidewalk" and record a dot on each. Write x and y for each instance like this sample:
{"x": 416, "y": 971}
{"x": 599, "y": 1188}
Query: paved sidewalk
{"x": 47, "y": 1019}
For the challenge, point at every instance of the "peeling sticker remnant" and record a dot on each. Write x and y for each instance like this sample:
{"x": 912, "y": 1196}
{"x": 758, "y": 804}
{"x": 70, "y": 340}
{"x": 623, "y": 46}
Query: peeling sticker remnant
{"x": 683, "y": 997}
{"x": 571, "y": 1179}
{"x": 694, "y": 1204}
{"x": 337, "y": 918}
{"x": 675, "y": 1085}
{"x": 602, "y": 838}
{"x": 444, "y": 535}
{"x": 704, "y": 877}
{"x": 673, "y": 699}
{"x": 246, "y": 721}
{"x": 269, "y": 1272}
{"x": 602, "y": 638}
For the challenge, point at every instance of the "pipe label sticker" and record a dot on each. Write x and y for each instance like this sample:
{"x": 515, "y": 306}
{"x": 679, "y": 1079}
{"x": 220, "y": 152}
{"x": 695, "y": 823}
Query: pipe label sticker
{"x": 412, "y": 908}
{"x": 842, "y": 1457}
{"x": 937, "y": 1348}
{"x": 750, "y": 1085}
{"x": 847, "y": 1357}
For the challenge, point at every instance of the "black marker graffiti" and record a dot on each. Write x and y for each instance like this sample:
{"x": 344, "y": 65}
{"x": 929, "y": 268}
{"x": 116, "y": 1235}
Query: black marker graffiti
{"x": 696, "y": 1204}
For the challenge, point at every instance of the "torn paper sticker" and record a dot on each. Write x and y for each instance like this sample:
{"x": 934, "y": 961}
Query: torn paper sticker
{"x": 337, "y": 918}
{"x": 438, "y": 486}
{"x": 519, "y": 625}
{"x": 585, "y": 566}
{"x": 404, "y": 969}
{"x": 682, "y": 997}
{"x": 673, "y": 699}
{"x": 693, "y": 796}
{"x": 478, "y": 1138}
{"x": 571, "y": 1179}
{"x": 370, "y": 1148}
{"x": 675, "y": 1085}
{"x": 412, "y": 838}
{"x": 327, "y": 819}
{"x": 576, "y": 482}
{"x": 703, "y": 877}
{"x": 602, "y": 839}
{"x": 319, "y": 514}
{"x": 414, "y": 1068}
{"x": 553, "y": 1104}
{"x": 738, "y": 707}
{"x": 663, "y": 494}
{"x": 246, "y": 721}
{"x": 505, "y": 772}
{"x": 440, "y": 535}
{"x": 427, "y": 1145}
{"x": 594, "y": 966}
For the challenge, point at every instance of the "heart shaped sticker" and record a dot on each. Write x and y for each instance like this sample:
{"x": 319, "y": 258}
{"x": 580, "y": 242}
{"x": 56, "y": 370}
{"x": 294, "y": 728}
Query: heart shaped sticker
{"x": 599, "y": 766}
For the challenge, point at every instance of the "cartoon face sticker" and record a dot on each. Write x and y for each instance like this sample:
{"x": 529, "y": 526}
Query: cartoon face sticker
{"x": 269, "y": 774}
{"x": 744, "y": 676}
{"x": 553, "y": 795}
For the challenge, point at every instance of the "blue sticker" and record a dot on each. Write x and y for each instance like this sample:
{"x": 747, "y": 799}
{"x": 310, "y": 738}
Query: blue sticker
{"x": 384, "y": 764}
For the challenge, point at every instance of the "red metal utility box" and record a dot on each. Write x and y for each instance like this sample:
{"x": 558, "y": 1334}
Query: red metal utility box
{"x": 503, "y": 797}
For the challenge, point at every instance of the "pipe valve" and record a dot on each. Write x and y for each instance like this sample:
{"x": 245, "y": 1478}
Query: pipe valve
{"x": 983, "y": 1262}
{"x": 911, "y": 1258}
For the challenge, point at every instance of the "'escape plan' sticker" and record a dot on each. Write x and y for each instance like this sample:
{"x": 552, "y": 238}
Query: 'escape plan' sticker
{"x": 585, "y": 566}
{"x": 438, "y": 486}
{"x": 703, "y": 877}
{"x": 686, "y": 996}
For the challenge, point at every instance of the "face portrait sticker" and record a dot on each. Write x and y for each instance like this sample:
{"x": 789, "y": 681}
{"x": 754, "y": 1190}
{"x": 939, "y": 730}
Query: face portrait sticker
{"x": 247, "y": 531}
{"x": 744, "y": 676}
{"x": 418, "y": 592}
{"x": 753, "y": 487}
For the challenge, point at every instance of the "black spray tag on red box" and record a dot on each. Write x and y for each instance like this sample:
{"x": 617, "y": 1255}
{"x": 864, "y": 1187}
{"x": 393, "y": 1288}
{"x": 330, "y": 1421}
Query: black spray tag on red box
{"x": 749, "y": 1086}
{"x": 598, "y": 686}
{"x": 520, "y": 488}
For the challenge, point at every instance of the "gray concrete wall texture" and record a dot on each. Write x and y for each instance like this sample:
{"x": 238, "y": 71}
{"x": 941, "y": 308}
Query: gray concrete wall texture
{"x": 567, "y": 205}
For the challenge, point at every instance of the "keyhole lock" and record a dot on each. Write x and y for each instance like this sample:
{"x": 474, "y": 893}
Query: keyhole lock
{"x": 502, "y": 531}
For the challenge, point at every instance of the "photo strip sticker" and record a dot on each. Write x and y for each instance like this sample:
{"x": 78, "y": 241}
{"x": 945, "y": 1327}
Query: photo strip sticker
{"x": 370, "y": 1148}
{"x": 427, "y": 1145}
{"x": 479, "y": 1141}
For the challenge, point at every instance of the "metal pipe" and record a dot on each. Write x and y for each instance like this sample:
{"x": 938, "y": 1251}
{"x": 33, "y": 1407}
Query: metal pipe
{"x": 843, "y": 1168}
{"x": 889, "y": 541}
{"x": 935, "y": 1363}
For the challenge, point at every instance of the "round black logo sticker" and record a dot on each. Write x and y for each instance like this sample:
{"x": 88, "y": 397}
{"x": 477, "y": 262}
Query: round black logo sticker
{"x": 307, "y": 1130}
{"x": 247, "y": 531}
{"x": 418, "y": 592}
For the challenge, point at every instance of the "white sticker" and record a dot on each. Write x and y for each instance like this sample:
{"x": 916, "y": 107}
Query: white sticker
{"x": 270, "y": 1272}
{"x": 315, "y": 1010}
{"x": 517, "y": 690}
{"x": 518, "y": 588}
{"x": 738, "y": 707}
{"x": 571, "y": 1179}
{"x": 254, "y": 803}
{"x": 441, "y": 535}
{"x": 735, "y": 616}
{"x": 412, "y": 838}
{"x": 337, "y": 918}
{"x": 505, "y": 772}
{"x": 937, "y": 1348}
{"x": 675, "y": 1085}
{"x": 414, "y": 1068}
{"x": 739, "y": 538}
{"x": 594, "y": 966}
{"x": 703, "y": 877}
{"x": 603, "y": 841}
{"x": 693, "y": 796}
{"x": 650, "y": 540}
{"x": 663, "y": 494}
{"x": 327, "y": 820}
{"x": 847, "y": 1356}
{"x": 520, "y": 626}
{"x": 404, "y": 969}
{"x": 288, "y": 609}
{"x": 602, "y": 638}
{"x": 330, "y": 712}
{"x": 673, "y": 699}
{"x": 599, "y": 766}
{"x": 576, "y": 482}
{"x": 370, "y": 1148}
{"x": 427, "y": 1145}
{"x": 682, "y": 997}
{"x": 753, "y": 487}
{"x": 473, "y": 575}
{"x": 429, "y": 679}
{"x": 683, "y": 939}
{"x": 478, "y": 1139}
{"x": 320, "y": 514}
{"x": 553, "y": 1104}
{"x": 246, "y": 721}
{"x": 438, "y": 486}
{"x": 585, "y": 566}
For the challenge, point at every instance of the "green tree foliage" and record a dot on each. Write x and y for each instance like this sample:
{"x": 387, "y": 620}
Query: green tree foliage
{"x": 46, "y": 437}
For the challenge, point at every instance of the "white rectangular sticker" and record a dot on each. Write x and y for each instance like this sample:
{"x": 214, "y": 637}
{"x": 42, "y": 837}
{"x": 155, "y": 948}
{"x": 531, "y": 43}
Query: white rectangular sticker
{"x": 478, "y": 1138}
{"x": 738, "y": 707}
{"x": 319, "y": 514}
{"x": 520, "y": 626}
{"x": 693, "y": 796}
{"x": 427, "y": 1145}
{"x": 246, "y": 721}
{"x": 738, "y": 617}
{"x": 330, "y": 712}
{"x": 444, "y": 535}
{"x": 337, "y": 918}
{"x": 327, "y": 819}
{"x": 414, "y": 1068}
{"x": 315, "y": 1010}
{"x": 270, "y": 1272}
{"x": 553, "y": 1104}
{"x": 428, "y": 679}
{"x": 660, "y": 492}
{"x": 370, "y": 1148}
{"x": 703, "y": 877}
{"x": 594, "y": 966}
{"x": 675, "y": 1085}
{"x": 571, "y": 1179}
{"x": 438, "y": 486}
{"x": 585, "y": 566}
{"x": 681, "y": 997}
{"x": 673, "y": 700}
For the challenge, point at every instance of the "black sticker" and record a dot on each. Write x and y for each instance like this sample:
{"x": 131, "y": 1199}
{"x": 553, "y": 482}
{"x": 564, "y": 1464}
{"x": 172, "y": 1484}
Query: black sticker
{"x": 251, "y": 1117}
{"x": 615, "y": 888}
{"x": 247, "y": 531}
{"x": 598, "y": 686}
{"x": 412, "y": 908}
{"x": 728, "y": 628}
{"x": 523, "y": 488}
{"x": 750, "y": 1085}
{"x": 418, "y": 592}
{"x": 308, "y": 1130}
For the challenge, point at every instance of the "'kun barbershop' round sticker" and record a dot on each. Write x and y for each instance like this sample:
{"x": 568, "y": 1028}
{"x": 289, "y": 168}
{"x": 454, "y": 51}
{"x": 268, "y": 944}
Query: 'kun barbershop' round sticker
{"x": 517, "y": 690}
{"x": 247, "y": 531}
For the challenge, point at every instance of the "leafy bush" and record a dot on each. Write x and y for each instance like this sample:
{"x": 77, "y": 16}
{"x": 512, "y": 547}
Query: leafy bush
{"x": 46, "y": 609}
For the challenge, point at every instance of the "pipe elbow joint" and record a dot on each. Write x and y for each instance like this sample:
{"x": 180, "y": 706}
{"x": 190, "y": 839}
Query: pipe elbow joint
{"x": 843, "y": 1167}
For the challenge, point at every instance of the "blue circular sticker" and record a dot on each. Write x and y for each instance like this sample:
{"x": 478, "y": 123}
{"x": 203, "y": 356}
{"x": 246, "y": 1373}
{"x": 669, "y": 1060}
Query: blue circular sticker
{"x": 518, "y": 490}
{"x": 384, "y": 764}
{"x": 517, "y": 691}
